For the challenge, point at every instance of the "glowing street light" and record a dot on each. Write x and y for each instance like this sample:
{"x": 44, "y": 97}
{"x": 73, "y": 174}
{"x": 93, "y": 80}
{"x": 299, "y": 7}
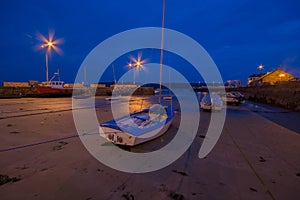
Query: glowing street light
{"x": 136, "y": 65}
{"x": 260, "y": 68}
{"x": 130, "y": 65}
{"x": 49, "y": 44}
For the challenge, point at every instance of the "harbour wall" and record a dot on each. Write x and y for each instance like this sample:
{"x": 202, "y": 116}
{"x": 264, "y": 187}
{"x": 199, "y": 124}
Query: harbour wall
{"x": 18, "y": 91}
{"x": 32, "y": 92}
{"x": 286, "y": 94}
{"x": 107, "y": 91}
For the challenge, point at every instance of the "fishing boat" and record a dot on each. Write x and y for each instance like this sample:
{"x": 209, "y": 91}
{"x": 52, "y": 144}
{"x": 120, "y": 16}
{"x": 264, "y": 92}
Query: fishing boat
{"x": 168, "y": 97}
{"x": 54, "y": 88}
{"x": 138, "y": 127}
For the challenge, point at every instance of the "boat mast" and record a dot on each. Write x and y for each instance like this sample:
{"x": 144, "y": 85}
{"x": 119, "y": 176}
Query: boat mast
{"x": 161, "y": 49}
{"x": 115, "y": 81}
{"x": 47, "y": 76}
{"x": 84, "y": 76}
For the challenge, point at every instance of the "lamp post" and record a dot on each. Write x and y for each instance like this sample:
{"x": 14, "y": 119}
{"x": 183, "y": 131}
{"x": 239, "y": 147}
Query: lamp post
{"x": 49, "y": 44}
{"x": 261, "y": 68}
{"x": 131, "y": 66}
{"x": 138, "y": 63}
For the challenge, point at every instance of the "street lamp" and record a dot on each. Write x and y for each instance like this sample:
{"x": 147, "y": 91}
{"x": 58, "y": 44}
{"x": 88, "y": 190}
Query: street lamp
{"x": 130, "y": 65}
{"x": 261, "y": 68}
{"x": 49, "y": 44}
{"x": 136, "y": 65}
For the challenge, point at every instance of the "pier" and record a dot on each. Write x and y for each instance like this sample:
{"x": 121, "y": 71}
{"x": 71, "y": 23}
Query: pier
{"x": 10, "y": 92}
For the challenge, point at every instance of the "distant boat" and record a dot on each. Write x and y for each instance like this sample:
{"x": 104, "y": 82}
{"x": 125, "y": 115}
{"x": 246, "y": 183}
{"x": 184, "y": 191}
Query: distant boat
{"x": 118, "y": 96}
{"x": 53, "y": 89}
{"x": 118, "y": 90}
{"x": 211, "y": 102}
{"x": 56, "y": 88}
{"x": 81, "y": 97}
{"x": 168, "y": 97}
{"x": 156, "y": 91}
{"x": 234, "y": 98}
{"x": 138, "y": 127}
{"x": 113, "y": 98}
{"x": 81, "y": 93}
{"x": 84, "y": 92}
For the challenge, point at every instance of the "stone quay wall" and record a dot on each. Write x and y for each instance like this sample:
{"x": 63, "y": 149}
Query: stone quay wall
{"x": 32, "y": 92}
{"x": 139, "y": 91}
{"x": 285, "y": 94}
{"x": 18, "y": 91}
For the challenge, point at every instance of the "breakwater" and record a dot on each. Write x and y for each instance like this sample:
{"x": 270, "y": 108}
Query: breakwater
{"x": 10, "y": 92}
{"x": 18, "y": 92}
{"x": 286, "y": 94}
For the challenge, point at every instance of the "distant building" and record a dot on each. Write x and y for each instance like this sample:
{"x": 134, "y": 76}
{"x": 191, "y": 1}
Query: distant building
{"x": 232, "y": 83}
{"x": 254, "y": 77}
{"x": 295, "y": 79}
{"x": 270, "y": 78}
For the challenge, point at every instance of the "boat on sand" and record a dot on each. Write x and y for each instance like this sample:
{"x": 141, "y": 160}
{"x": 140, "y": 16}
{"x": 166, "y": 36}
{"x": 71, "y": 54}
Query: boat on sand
{"x": 138, "y": 127}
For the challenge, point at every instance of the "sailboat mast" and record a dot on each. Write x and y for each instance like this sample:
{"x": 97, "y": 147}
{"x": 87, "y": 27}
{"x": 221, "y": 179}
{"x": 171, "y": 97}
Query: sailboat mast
{"x": 84, "y": 75}
{"x": 47, "y": 76}
{"x": 115, "y": 81}
{"x": 161, "y": 48}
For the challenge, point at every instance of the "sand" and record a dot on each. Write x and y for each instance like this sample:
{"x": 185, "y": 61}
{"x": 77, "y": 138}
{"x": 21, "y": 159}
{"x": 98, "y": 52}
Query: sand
{"x": 255, "y": 158}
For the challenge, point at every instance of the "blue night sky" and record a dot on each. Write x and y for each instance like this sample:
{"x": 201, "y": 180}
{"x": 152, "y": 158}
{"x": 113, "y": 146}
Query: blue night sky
{"x": 238, "y": 35}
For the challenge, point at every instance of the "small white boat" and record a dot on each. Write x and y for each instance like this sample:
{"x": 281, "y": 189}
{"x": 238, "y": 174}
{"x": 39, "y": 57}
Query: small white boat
{"x": 156, "y": 91}
{"x": 81, "y": 96}
{"x": 168, "y": 97}
{"x": 234, "y": 98}
{"x": 112, "y": 98}
{"x": 240, "y": 96}
{"x": 211, "y": 102}
{"x": 116, "y": 98}
{"x": 138, "y": 127}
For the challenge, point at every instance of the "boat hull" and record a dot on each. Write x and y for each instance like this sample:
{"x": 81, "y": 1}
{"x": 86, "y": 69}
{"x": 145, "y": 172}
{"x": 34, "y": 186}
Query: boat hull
{"x": 54, "y": 92}
{"x": 127, "y": 139}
